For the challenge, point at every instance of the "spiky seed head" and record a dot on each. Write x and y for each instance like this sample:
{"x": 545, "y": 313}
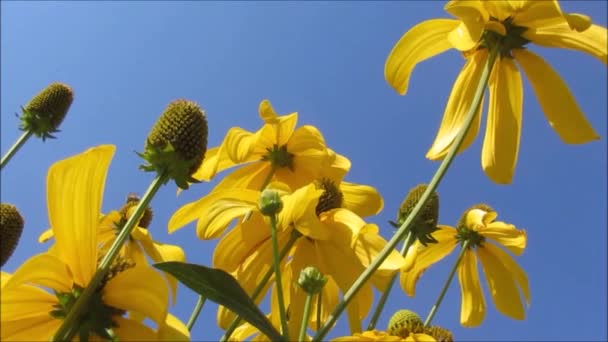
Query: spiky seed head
{"x": 45, "y": 111}
{"x": 331, "y": 198}
{"x": 177, "y": 142}
{"x": 11, "y": 226}
{"x": 311, "y": 280}
{"x": 426, "y": 222}
{"x": 439, "y": 334}
{"x": 404, "y": 322}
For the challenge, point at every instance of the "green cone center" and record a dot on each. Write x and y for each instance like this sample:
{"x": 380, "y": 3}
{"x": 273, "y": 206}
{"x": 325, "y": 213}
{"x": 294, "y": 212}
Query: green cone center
{"x": 279, "y": 157}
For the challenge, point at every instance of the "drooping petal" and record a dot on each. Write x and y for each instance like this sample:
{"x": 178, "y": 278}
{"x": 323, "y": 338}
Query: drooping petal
{"x": 554, "y": 97}
{"x": 209, "y": 166}
{"x": 43, "y": 270}
{"x": 473, "y": 16}
{"x": 337, "y": 167}
{"x": 473, "y": 307}
{"x": 130, "y": 330}
{"x": 140, "y": 289}
{"x": 426, "y": 256}
{"x": 506, "y": 235}
{"x": 423, "y": 41}
{"x": 592, "y": 41}
{"x": 513, "y": 269}
{"x": 459, "y": 103}
{"x": 343, "y": 220}
{"x": 238, "y": 145}
{"x": 299, "y": 210}
{"x": 74, "y": 192}
{"x": 173, "y": 330}
{"x": 22, "y": 302}
{"x": 368, "y": 246}
{"x": 503, "y": 128}
{"x": 40, "y": 328}
{"x": 363, "y": 200}
{"x": 501, "y": 284}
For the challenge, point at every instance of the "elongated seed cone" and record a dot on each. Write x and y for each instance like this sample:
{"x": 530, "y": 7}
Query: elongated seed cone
{"x": 426, "y": 222}
{"x": 178, "y": 141}
{"x": 439, "y": 334}
{"x": 404, "y": 322}
{"x": 11, "y": 226}
{"x": 45, "y": 111}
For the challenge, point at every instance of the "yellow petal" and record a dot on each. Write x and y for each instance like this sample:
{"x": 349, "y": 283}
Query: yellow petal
{"x": 423, "y": 41}
{"x": 40, "y": 328}
{"x": 554, "y": 97}
{"x": 473, "y": 17}
{"x": 337, "y": 167}
{"x": 578, "y": 22}
{"x": 473, "y": 307}
{"x": 4, "y": 277}
{"x": 140, "y": 289}
{"x": 43, "y": 270}
{"x": 130, "y": 330}
{"x": 512, "y": 269}
{"x": 592, "y": 41}
{"x": 535, "y": 14}
{"x": 209, "y": 166}
{"x": 501, "y": 284}
{"x": 238, "y": 145}
{"x": 25, "y": 302}
{"x": 277, "y": 133}
{"x": 506, "y": 235}
{"x": 427, "y": 256}
{"x": 503, "y": 128}
{"x": 173, "y": 330}
{"x": 299, "y": 210}
{"x": 459, "y": 103}
{"x": 46, "y": 235}
{"x": 74, "y": 192}
{"x": 363, "y": 200}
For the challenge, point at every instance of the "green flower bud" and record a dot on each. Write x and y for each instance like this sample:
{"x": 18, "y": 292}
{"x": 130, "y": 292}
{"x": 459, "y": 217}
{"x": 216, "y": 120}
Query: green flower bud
{"x": 311, "y": 280}
{"x": 405, "y": 322}
{"x": 426, "y": 222}
{"x": 177, "y": 143}
{"x": 45, "y": 111}
{"x": 331, "y": 198}
{"x": 270, "y": 202}
{"x": 11, "y": 226}
{"x": 439, "y": 334}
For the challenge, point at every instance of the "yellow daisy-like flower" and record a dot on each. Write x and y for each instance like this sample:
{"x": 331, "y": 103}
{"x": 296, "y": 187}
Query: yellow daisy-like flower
{"x": 375, "y": 335}
{"x": 512, "y": 24}
{"x": 74, "y": 193}
{"x": 504, "y": 277}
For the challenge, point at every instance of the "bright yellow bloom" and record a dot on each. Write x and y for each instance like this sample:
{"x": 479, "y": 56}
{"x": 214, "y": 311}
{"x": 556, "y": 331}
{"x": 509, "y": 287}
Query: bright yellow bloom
{"x": 74, "y": 193}
{"x": 504, "y": 277}
{"x": 512, "y": 24}
{"x": 375, "y": 335}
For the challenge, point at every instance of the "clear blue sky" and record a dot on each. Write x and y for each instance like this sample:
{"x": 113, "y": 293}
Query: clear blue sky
{"x": 325, "y": 60}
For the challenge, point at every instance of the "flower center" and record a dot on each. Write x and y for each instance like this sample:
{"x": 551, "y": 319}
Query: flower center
{"x": 466, "y": 234}
{"x": 125, "y": 212}
{"x": 279, "y": 157}
{"x": 512, "y": 40}
{"x": 331, "y": 198}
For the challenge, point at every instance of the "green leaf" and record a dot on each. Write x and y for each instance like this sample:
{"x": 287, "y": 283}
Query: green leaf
{"x": 220, "y": 287}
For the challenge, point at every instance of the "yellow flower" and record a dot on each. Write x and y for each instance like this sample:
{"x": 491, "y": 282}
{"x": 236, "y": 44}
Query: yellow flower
{"x": 512, "y": 24}
{"x": 375, "y": 335}
{"x": 74, "y": 193}
{"x": 504, "y": 277}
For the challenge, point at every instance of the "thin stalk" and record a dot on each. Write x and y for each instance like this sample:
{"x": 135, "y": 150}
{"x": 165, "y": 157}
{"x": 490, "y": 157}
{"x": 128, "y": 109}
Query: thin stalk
{"x": 258, "y": 290}
{"x": 305, "y": 317}
{"x": 276, "y": 264}
{"x": 197, "y": 310}
{"x": 68, "y": 328}
{"x": 399, "y": 235}
{"x": 319, "y": 302}
{"x": 429, "y": 318}
{"x": 409, "y": 240}
{"x": 16, "y": 146}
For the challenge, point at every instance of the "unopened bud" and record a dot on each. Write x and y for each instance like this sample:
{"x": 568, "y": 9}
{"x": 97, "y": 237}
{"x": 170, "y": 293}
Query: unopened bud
{"x": 11, "y": 226}
{"x": 426, "y": 221}
{"x": 177, "y": 143}
{"x": 405, "y": 322}
{"x": 270, "y": 202}
{"x": 311, "y": 280}
{"x": 45, "y": 111}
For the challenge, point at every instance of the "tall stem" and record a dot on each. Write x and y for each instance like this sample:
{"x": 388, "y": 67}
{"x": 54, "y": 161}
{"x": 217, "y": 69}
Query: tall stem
{"x": 445, "y": 164}
{"x": 305, "y": 316}
{"x": 433, "y": 311}
{"x": 69, "y": 326}
{"x": 197, "y": 310}
{"x": 16, "y": 146}
{"x": 276, "y": 263}
{"x": 409, "y": 240}
{"x": 258, "y": 290}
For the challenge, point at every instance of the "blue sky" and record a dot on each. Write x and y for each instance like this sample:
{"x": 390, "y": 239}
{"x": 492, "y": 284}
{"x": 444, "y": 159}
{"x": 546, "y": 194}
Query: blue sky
{"x": 126, "y": 61}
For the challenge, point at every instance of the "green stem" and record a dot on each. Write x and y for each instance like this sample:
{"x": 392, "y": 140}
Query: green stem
{"x": 276, "y": 263}
{"x": 429, "y": 318}
{"x": 319, "y": 303}
{"x": 197, "y": 310}
{"x": 445, "y": 164}
{"x": 68, "y": 328}
{"x": 16, "y": 146}
{"x": 258, "y": 290}
{"x": 409, "y": 240}
{"x": 306, "y": 316}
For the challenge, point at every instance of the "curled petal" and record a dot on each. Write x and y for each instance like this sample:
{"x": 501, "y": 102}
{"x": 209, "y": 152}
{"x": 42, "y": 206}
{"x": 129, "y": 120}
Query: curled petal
{"x": 506, "y": 235}
{"x": 421, "y": 42}
{"x": 473, "y": 307}
{"x": 363, "y": 200}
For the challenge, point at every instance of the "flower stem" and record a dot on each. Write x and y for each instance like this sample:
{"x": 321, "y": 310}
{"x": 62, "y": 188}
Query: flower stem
{"x": 69, "y": 326}
{"x": 319, "y": 302}
{"x": 276, "y": 263}
{"x": 429, "y": 318}
{"x": 409, "y": 240}
{"x": 306, "y": 316}
{"x": 197, "y": 310}
{"x": 258, "y": 290}
{"x": 16, "y": 146}
{"x": 445, "y": 164}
